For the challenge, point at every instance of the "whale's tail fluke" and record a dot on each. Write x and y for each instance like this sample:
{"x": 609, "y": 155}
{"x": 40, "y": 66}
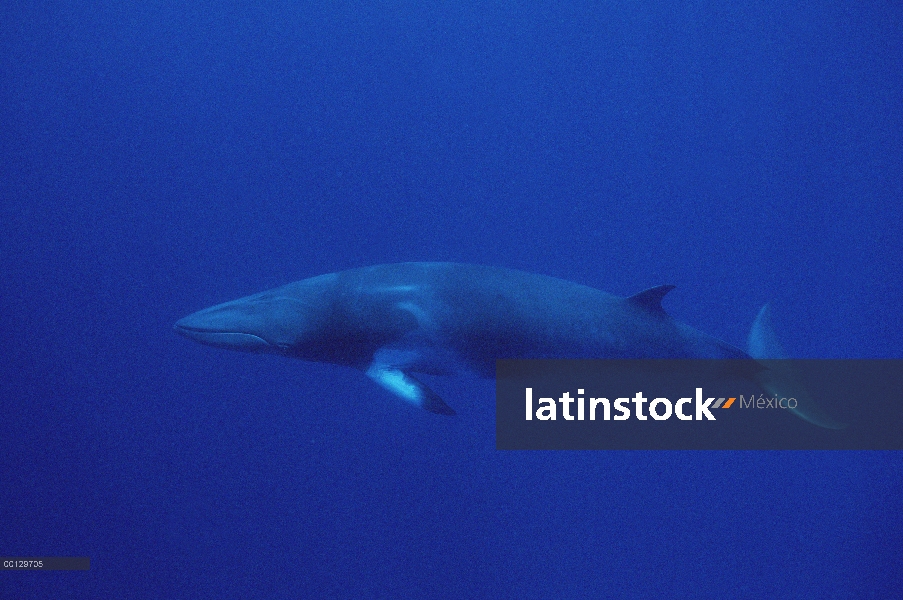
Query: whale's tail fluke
{"x": 778, "y": 378}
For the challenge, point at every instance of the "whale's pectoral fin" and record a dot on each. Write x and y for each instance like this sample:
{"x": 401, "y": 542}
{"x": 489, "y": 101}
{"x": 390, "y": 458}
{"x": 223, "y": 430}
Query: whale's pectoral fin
{"x": 408, "y": 387}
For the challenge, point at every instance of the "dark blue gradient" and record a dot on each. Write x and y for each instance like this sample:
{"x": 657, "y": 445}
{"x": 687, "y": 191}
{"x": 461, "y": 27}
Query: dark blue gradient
{"x": 159, "y": 157}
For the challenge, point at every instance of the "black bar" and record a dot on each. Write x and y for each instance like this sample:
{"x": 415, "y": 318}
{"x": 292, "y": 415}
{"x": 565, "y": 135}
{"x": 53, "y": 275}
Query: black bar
{"x": 45, "y": 563}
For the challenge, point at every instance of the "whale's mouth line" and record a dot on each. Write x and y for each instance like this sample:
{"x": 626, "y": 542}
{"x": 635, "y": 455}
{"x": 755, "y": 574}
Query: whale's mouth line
{"x": 203, "y": 331}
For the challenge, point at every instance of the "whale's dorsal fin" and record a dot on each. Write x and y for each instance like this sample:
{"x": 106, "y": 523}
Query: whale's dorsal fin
{"x": 651, "y": 299}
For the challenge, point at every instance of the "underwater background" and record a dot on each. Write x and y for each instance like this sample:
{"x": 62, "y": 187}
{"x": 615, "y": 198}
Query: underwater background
{"x": 159, "y": 157}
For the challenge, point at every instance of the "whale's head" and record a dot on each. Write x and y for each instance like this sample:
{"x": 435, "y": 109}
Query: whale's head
{"x": 276, "y": 321}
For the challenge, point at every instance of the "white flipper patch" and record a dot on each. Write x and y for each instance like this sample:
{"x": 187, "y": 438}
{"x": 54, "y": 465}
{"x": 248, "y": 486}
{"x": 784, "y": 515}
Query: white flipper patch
{"x": 396, "y": 382}
{"x": 391, "y": 376}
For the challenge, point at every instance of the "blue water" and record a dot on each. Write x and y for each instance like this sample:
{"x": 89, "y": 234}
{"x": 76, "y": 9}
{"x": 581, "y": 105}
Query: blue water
{"x": 159, "y": 157}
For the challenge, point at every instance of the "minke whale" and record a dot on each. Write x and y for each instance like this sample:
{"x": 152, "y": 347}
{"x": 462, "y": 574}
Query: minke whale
{"x": 396, "y": 320}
